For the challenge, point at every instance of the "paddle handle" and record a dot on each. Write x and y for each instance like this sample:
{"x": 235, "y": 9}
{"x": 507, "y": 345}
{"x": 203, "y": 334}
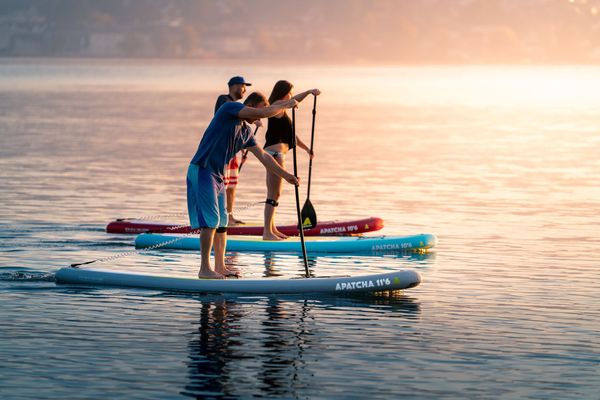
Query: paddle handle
{"x": 300, "y": 227}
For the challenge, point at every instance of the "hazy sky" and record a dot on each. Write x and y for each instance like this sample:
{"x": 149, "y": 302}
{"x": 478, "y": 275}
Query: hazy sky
{"x": 356, "y": 31}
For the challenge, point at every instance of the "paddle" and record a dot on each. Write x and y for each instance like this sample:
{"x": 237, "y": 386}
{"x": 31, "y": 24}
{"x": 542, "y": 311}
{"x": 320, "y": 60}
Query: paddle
{"x": 245, "y": 153}
{"x": 309, "y": 215}
{"x": 300, "y": 227}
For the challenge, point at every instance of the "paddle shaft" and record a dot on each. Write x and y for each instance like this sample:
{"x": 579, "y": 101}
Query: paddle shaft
{"x": 300, "y": 227}
{"x": 312, "y": 142}
{"x": 308, "y": 213}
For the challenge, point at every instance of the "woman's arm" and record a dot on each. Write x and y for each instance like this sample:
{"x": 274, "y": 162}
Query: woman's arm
{"x": 266, "y": 112}
{"x": 301, "y": 96}
{"x": 303, "y": 146}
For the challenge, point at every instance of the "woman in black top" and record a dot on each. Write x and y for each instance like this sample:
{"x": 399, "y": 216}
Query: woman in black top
{"x": 279, "y": 140}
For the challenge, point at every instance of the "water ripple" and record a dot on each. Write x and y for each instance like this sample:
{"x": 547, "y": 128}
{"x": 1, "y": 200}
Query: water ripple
{"x": 507, "y": 307}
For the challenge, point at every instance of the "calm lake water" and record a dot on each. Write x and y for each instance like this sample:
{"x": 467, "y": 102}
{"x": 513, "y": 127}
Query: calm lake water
{"x": 501, "y": 163}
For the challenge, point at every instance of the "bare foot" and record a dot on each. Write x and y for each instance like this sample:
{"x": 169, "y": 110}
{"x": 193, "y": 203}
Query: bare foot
{"x": 234, "y": 221}
{"x": 233, "y": 269}
{"x": 210, "y": 274}
{"x": 229, "y": 271}
{"x": 281, "y": 235}
{"x": 271, "y": 236}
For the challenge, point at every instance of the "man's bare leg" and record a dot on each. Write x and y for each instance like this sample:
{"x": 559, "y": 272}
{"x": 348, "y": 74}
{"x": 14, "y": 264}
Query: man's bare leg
{"x": 206, "y": 244}
{"x": 220, "y": 245}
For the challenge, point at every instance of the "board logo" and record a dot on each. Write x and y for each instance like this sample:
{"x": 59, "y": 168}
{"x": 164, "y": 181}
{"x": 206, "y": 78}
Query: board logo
{"x": 391, "y": 246}
{"x": 365, "y": 284}
{"x": 339, "y": 229}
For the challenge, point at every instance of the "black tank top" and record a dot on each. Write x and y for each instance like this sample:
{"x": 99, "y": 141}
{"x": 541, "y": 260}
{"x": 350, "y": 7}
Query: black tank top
{"x": 279, "y": 131}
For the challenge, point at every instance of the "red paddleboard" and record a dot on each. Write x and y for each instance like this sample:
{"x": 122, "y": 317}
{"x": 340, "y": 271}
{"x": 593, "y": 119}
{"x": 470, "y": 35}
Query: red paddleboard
{"x": 325, "y": 228}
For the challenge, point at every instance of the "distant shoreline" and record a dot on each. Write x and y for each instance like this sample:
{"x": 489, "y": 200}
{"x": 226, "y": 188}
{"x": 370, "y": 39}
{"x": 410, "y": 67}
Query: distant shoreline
{"x": 267, "y": 62}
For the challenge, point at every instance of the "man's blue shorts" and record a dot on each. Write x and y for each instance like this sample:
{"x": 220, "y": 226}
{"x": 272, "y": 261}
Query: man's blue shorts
{"x": 206, "y": 198}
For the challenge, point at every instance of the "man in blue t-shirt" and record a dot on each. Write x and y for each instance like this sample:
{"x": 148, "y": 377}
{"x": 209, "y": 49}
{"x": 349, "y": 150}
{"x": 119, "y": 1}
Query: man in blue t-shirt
{"x": 227, "y": 133}
{"x": 237, "y": 88}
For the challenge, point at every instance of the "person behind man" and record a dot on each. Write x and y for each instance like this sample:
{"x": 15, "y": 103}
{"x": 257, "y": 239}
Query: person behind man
{"x": 227, "y": 133}
{"x": 237, "y": 88}
{"x": 279, "y": 139}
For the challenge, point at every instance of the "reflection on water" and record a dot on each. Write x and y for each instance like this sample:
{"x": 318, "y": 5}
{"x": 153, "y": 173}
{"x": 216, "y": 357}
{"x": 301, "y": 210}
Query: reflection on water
{"x": 211, "y": 350}
{"x": 319, "y": 265}
{"x": 272, "y": 270}
{"x": 223, "y": 359}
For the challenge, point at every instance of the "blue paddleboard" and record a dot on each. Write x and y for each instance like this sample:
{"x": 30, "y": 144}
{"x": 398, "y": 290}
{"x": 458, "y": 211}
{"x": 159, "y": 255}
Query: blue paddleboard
{"x": 352, "y": 244}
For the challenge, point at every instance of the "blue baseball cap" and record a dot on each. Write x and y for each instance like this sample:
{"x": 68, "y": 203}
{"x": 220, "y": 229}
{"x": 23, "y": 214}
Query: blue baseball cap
{"x": 238, "y": 80}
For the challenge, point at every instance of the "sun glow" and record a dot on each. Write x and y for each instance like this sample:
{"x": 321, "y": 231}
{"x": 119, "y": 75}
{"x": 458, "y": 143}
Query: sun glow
{"x": 498, "y": 86}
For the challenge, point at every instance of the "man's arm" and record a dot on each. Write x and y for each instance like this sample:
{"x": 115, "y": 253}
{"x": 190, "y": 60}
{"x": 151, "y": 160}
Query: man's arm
{"x": 265, "y": 112}
{"x": 272, "y": 165}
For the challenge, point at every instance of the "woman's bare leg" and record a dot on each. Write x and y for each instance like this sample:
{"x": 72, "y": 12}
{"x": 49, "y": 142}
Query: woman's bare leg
{"x": 274, "y": 182}
{"x": 269, "y": 231}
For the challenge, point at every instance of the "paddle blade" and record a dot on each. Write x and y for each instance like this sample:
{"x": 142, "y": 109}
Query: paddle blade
{"x": 309, "y": 215}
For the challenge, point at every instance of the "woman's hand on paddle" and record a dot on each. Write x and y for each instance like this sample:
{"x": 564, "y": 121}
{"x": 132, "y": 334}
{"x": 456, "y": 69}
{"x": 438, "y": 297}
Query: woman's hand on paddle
{"x": 292, "y": 179}
{"x": 310, "y": 153}
{"x": 315, "y": 92}
{"x": 258, "y": 123}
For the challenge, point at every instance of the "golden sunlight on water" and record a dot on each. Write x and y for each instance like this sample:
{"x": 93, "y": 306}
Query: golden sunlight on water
{"x": 493, "y": 86}
{"x": 499, "y": 162}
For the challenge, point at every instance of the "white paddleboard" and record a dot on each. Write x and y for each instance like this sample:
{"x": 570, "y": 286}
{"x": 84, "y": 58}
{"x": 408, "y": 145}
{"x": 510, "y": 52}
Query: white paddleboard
{"x": 401, "y": 279}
